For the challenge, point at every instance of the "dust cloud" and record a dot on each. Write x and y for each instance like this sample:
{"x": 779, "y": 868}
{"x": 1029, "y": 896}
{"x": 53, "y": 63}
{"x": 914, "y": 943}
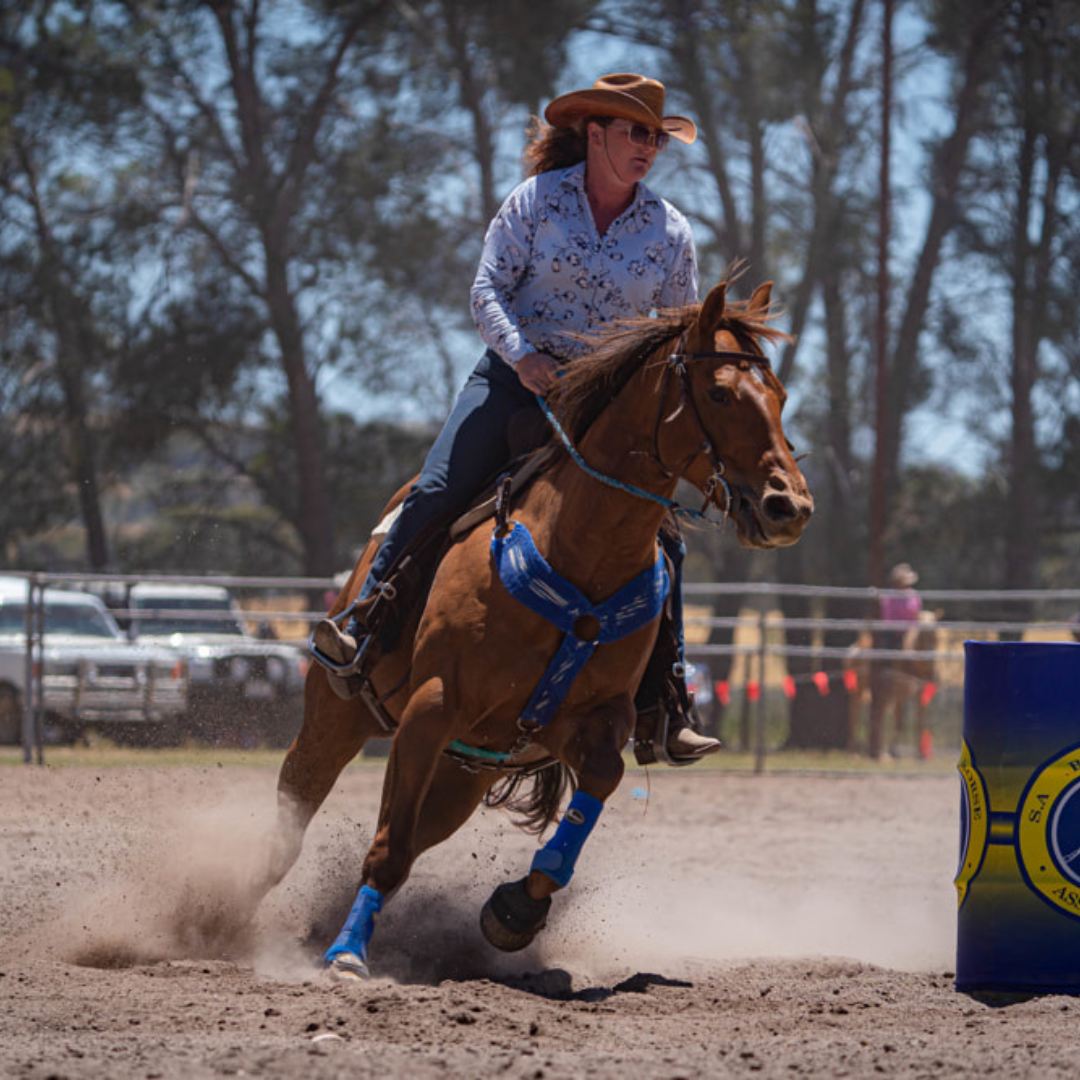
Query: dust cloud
{"x": 173, "y": 881}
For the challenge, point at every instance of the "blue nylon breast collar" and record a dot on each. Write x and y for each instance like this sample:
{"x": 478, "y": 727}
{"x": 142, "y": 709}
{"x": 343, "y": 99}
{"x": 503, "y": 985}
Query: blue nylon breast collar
{"x": 528, "y": 578}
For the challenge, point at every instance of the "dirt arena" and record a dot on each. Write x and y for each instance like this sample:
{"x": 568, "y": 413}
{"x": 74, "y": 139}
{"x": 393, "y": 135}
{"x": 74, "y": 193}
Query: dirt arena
{"x": 719, "y": 925}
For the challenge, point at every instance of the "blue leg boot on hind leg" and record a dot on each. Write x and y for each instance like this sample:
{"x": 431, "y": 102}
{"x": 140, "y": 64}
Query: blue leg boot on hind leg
{"x": 347, "y": 957}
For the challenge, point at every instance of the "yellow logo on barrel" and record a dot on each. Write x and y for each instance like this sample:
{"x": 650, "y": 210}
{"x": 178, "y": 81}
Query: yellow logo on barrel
{"x": 1048, "y": 832}
{"x": 974, "y": 821}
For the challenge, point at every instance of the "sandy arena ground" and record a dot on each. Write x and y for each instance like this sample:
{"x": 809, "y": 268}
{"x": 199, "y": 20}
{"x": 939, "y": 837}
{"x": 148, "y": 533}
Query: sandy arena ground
{"x": 718, "y": 925}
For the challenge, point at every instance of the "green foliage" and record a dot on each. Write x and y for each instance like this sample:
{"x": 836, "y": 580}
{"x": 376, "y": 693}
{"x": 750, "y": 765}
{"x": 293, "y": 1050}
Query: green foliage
{"x": 225, "y": 225}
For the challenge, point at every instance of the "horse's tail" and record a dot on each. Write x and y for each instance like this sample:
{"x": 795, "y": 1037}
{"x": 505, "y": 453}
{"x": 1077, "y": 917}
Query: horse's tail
{"x": 538, "y": 805}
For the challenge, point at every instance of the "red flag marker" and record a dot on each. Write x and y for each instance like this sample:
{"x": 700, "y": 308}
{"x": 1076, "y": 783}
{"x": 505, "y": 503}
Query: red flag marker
{"x": 723, "y": 691}
{"x": 926, "y": 746}
{"x": 851, "y": 681}
{"x": 789, "y": 686}
{"x": 753, "y": 690}
{"x": 927, "y": 694}
{"x": 821, "y": 681}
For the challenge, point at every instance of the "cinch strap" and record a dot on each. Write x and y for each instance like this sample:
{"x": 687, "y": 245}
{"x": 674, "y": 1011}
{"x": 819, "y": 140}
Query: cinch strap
{"x": 558, "y": 856}
{"x": 528, "y": 578}
{"x": 359, "y": 926}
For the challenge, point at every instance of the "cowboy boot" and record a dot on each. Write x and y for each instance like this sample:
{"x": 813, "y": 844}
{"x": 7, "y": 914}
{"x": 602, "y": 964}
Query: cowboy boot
{"x": 685, "y": 743}
{"x": 340, "y": 647}
{"x": 668, "y": 725}
{"x": 669, "y": 729}
{"x": 667, "y": 736}
{"x": 349, "y": 653}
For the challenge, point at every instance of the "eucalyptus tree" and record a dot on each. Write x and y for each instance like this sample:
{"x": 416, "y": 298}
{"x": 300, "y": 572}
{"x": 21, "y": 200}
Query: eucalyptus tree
{"x": 1015, "y": 332}
{"x": 261, "y": 129}
{"x": 67, "y": 98}
{"x": 334, "y": 162}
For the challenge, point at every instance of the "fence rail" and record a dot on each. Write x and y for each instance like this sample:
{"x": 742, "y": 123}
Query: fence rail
{"x": 756, "y": 646}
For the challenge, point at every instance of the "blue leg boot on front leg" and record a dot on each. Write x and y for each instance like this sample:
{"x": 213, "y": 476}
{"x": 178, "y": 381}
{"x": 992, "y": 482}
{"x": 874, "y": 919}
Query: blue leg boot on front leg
{"x": 347, "y": 957}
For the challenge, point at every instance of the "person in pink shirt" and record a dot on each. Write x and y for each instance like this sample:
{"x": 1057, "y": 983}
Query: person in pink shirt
{"x": 901, "y": 606}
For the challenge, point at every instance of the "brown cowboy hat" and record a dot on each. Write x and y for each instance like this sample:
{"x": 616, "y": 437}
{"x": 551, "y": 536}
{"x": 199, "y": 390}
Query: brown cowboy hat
{"x": 631, "y": 97}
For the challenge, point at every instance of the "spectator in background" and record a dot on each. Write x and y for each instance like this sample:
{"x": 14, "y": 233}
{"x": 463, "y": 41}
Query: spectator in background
{"x": 901, "y": 606}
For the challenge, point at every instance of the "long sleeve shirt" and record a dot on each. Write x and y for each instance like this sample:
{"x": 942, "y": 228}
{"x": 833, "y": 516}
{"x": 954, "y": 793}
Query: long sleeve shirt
{"x": 546, "y": 276}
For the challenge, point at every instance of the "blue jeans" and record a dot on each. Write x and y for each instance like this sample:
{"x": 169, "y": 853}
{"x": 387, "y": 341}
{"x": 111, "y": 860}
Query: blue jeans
{"x": 470, "y": 451}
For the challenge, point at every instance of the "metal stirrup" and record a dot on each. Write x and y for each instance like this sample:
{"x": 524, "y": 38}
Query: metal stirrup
{"x": 384, "y": 591}
{"x": 349, "y": 667}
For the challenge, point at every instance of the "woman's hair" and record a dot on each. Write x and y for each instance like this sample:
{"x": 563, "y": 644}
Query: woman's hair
{"x": 548, "y": 148}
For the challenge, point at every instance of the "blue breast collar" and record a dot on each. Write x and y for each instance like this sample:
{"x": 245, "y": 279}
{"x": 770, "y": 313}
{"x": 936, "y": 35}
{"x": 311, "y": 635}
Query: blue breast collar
{"x": 528, "y": 578}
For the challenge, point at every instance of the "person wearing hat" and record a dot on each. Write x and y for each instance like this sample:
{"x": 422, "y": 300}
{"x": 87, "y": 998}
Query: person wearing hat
{"x": 579, "y": 243}
{"x": 902, "y": 606}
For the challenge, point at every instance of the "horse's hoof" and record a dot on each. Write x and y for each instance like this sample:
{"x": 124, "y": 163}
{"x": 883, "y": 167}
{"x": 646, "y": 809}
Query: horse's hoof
{"x": 512, "y": 918}
{"x": 348, "y": 967}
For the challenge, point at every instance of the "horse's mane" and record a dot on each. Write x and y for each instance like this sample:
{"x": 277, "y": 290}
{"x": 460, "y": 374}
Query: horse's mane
{"x": 594, "y": 380}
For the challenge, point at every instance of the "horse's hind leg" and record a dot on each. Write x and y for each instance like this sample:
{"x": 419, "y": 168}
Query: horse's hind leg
{"x": 333, "y": 733}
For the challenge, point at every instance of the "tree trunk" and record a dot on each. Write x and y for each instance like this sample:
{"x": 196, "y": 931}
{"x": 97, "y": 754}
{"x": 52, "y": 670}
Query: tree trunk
{"x": 1020, "y": 525}
{"x": 980, "y": 58}
{"x": 314, "y": 520}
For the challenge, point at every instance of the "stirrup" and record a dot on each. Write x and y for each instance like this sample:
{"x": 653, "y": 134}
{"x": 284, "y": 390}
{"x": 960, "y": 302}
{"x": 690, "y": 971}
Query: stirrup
{"x": 651, "y": 748}
{"x": 349, "y": 667}
{"x": 654, "y": 724}
{"x": 385, "y": 593}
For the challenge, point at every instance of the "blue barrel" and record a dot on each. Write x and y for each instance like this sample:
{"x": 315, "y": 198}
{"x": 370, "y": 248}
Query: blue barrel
{"x": 1018, "y": 882}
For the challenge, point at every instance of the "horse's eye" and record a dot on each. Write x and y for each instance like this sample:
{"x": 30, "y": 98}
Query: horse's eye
{"x": 720, "y": 395}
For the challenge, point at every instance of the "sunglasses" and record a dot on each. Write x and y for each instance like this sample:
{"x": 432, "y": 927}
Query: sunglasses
{"x": 640, "y": 135}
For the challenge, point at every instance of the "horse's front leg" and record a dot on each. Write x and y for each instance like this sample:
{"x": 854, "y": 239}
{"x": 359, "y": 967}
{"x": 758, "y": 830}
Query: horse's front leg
{"x": 518, "y": 910}
{"x": 414, "y": 755}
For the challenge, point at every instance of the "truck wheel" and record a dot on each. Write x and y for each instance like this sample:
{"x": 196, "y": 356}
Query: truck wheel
{"x": 10, "y": 716}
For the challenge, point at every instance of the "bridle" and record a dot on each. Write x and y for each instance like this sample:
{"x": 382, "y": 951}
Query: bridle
{"x": 675, "y": 365}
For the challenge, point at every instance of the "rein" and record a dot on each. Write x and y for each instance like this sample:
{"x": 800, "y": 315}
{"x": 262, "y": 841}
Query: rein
{"x": 676, "y": 365}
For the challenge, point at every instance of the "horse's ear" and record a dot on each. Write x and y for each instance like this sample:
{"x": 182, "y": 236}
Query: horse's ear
{"x": 759, "y": 302}
{"x": 712, "y": 311}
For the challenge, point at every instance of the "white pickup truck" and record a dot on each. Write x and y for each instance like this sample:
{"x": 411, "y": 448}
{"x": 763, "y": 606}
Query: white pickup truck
{"x": 245, "y": 690}
{"x": 92, "y": 675}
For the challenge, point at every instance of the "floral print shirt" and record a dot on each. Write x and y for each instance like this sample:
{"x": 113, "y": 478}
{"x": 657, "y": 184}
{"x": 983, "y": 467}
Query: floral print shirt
{"x": 546, "y": 275}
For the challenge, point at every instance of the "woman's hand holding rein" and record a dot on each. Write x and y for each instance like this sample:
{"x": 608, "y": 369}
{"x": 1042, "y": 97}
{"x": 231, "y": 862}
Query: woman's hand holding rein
{"x": 537, "y": 372}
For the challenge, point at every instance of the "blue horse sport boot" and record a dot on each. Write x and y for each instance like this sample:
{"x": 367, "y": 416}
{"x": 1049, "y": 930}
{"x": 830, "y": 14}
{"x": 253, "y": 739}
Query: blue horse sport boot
{"x": 347, "y": 958}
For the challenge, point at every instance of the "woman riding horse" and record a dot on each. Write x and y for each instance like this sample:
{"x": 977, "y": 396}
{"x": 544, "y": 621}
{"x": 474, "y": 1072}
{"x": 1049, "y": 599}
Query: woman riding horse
{"x": 580, "y": 243}
{"x": 538, "y": 626}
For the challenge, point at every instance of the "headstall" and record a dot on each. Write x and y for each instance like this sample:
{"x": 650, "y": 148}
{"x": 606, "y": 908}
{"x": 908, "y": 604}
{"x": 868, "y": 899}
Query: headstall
{"x": 676, "y": 364}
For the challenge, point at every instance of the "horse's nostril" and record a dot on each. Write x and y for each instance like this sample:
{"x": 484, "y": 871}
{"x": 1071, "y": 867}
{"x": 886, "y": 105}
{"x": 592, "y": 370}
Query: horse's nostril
{"x": 779, "y": 507}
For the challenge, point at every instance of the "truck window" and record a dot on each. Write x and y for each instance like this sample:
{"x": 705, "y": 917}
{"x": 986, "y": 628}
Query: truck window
{"x": 80, "y": 619}
{"x": 184, "y": 615}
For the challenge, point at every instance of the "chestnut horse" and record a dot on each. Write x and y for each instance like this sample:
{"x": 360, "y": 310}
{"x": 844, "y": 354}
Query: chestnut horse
{"x": 686, "y": 394}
